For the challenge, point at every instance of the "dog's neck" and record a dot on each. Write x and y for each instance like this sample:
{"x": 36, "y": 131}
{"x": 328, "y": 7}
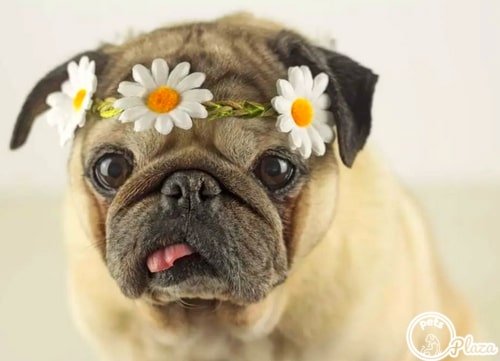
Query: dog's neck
{"x": 244, "y": 322}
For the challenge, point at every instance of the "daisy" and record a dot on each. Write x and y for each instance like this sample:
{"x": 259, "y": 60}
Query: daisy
{"x": 69, "y": 106}
{"x": 161, "y": 99}
{"x": 302, "y": 106}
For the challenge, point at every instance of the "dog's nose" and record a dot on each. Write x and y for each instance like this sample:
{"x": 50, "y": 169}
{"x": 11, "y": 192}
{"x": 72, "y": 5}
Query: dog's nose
{"x": 191, "y": 185}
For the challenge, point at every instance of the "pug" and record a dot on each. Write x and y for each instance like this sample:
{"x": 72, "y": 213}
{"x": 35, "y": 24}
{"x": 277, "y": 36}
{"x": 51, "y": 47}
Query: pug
{"x": 271, "y": 256}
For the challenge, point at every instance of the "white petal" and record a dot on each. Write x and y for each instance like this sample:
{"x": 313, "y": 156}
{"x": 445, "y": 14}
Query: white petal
{"x": 68, "y": 88}
{"x": 281, "y": 105}
{"x": 297, "y": 80}
{"x": 132, "y": 114}
{"x": 295, "y": 138}
{"x": 159, "y": 68}
{"x": 164, "y": 124}
{"x": 284, "y": 123}
{"x": 73, "y": 72}
{"x": 319, "y": 85}
{"x": 67, "y": 132}
{"x": 305, "y": 148}
{"x": 197, "y": 95}
{"x": 84, "y": 62}
{"x": 54, "y": 117}
{"x": 323, "y": 101}
{"x": 82, "y": 69}
{"x": 91, "y": 68}
{"x": 87, "y": 102}
{"x": 181, "y": 119}
{"x": 191, "y": 81}
{"x": 60, "y": 126}
{"x": 145, "y": 122}
{"x": 131, "y": 89}
{"x": 93, "y": 85}
{"x": 308, "y": 79}
{"x": 325, "y": 132}
{"x": 318, "y": 146}
{"x": 179, "y": 72}
{"x": 194, "y": 109}
{"x": 128, "y": 102}
{"x": 58, "y": 117}
{"x": 65, "y": 136}
{"x": 323, "y": 116}
{"x": 285, "y": 89}
{"x": 77, "y": 119}
{"x": 142, "y": 75}
{"x": 57, "y": 98}
{"x": 83, "y": 119}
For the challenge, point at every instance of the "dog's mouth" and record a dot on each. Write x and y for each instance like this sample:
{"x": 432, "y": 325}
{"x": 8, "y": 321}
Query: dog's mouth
{"x": 175, "y": 263}
{"x": 165, "y": 258}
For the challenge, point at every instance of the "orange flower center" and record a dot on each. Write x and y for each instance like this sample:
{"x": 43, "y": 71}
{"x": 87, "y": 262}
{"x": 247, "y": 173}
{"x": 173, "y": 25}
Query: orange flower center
{"x": 163, "y": 99}
{"x": 302, "y": 112}
{"x": 78, "y": 99}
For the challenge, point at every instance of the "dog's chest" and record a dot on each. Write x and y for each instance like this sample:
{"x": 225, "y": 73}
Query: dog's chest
{"x": 210, "y": 344}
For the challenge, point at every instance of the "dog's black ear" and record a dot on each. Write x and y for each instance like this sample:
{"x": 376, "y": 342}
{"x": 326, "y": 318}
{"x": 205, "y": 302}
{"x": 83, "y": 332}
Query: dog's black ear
{"x": 35, "y": 104}
{"x": 351, "y": 88}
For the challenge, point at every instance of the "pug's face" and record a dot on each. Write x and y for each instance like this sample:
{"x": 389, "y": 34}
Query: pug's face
{"x": 225, "y": 209}
{"x": 204, "y": 213}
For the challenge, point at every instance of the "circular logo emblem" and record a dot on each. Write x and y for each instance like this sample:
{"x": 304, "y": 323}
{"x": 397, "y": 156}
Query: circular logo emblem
{"x": 429, "y": 336}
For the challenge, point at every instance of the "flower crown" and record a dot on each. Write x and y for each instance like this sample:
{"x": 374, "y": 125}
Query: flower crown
{"x": 162, "y": 99}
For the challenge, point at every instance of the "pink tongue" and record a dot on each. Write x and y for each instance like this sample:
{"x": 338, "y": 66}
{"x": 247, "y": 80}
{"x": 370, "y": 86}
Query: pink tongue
{"x": 164, "y": 258}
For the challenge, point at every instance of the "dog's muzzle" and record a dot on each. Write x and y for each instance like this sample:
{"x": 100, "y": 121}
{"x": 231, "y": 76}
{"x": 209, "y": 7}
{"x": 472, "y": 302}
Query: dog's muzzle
{"x": 183, "y": 191}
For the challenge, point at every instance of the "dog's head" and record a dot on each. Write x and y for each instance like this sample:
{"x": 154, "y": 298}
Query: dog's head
{"x": 226, "y": 202}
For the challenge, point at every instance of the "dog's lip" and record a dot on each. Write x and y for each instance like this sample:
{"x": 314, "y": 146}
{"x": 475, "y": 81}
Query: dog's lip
{"x": 192, "y": 266}
{"x": 164, "y": 258}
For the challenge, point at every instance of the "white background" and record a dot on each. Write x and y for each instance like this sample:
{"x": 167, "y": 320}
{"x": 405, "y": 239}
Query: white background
{"x": 436, "y": 114}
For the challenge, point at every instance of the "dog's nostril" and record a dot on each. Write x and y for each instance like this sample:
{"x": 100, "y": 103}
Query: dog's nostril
{"x": 172, "y": 190}
{"x": 209, "y": 190}
{"x": 193, "y": 186}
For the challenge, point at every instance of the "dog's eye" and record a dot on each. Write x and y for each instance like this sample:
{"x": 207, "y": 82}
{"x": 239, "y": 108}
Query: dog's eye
{"x": 111, "y": 171}
{"x": 274, "y": 172}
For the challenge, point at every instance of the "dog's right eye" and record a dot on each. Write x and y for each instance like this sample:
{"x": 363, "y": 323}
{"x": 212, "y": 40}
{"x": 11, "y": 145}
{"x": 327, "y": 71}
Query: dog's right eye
{"x": 274, "y": 172}
{"x": 111, "y": 171}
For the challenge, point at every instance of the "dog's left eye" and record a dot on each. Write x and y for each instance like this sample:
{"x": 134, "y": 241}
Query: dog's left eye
{"x": 274, "y": 172}
{"x": 111, "y": 171}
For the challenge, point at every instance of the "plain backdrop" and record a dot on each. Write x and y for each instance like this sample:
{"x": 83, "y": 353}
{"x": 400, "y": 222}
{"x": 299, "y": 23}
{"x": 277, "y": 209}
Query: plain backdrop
{"x": 436, "y": 122}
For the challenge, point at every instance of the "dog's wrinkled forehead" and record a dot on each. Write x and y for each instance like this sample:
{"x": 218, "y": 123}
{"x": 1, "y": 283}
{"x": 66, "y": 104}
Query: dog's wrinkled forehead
{"x": 234, "y": 70}
{"x": 237, "y": 64}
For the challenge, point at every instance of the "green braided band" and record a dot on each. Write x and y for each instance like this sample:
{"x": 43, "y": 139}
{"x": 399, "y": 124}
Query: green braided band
{"x": 243, "y": 109}
{"x": 105, "y": 109}
{"x": 221, "y": 109}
